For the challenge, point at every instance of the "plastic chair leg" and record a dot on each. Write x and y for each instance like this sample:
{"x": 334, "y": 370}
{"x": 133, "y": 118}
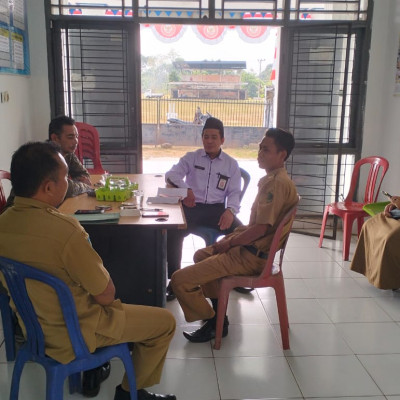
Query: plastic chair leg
{"x": 8, "y": 320}
{"x": 347, "y": 228}
{"x": 126, "y": 359}
{"x": 54, "y": 384}
{"x": 20, "y": 361}
{"x": 324, "y": 219}
{"x": 282, "y": 311}
{"x": 223, "y": 299}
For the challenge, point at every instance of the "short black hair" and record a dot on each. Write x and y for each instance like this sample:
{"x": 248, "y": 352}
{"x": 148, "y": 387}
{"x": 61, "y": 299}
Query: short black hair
{"x": 284, "y": 140}
{"x": 31, "y": 164}
{"x": 56, "y": 124}
{"x": 214, "y": 123}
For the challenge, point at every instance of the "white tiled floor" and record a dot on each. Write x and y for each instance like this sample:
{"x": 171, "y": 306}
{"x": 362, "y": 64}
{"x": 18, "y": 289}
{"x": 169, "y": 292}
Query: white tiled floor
{"x": 344, "y": 338}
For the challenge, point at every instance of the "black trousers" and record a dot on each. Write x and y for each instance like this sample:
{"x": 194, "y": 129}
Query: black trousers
{"x": 202, "y": 215}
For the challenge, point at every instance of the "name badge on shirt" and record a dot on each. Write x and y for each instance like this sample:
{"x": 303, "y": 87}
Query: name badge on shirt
{"x": 222, "y": 181}
{"x": 199, "y": 167}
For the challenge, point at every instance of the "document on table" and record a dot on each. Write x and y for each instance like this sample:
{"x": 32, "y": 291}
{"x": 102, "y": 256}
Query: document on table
{"x": 168, "y": 196}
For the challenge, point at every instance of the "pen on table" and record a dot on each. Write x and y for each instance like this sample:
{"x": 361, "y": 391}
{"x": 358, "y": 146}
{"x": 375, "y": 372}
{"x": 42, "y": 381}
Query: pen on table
{"x": 151, "y": 209}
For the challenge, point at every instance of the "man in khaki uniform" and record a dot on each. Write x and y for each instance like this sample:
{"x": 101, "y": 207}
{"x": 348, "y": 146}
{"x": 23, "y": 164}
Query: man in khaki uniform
{"x": 62, "y": 130}
{"x": 244, "y": 251}
{"x": 34, "y": 232}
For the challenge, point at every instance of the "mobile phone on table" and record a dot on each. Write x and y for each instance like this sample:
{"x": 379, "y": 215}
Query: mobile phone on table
{"x": 89, "y": 211}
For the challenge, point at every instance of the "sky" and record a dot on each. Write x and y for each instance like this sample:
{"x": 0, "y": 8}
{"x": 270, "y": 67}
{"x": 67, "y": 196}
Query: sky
{"x": 231, "y": 48}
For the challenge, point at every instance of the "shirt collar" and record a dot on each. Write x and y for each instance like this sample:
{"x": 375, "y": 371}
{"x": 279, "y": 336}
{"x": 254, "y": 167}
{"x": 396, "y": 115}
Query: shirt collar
{"x": 220, "y": 155}
{"x": 28, "y": 202}
{"x": 271, "y": 174}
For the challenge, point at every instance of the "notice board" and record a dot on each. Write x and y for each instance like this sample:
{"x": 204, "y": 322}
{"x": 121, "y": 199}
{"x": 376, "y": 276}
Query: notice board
{"x": 14, "y": 46}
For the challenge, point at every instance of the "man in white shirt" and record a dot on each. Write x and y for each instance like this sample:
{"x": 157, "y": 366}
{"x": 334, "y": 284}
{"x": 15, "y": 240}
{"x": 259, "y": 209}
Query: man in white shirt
{"x": 213, "y": 180}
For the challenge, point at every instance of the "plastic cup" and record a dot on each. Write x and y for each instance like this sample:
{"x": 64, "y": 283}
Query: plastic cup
{"x": 137, "y": 198}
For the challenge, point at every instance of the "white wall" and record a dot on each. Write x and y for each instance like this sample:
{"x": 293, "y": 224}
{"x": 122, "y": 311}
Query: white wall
{"x": 26, "y": 116}
{"x": 382, "y": 113}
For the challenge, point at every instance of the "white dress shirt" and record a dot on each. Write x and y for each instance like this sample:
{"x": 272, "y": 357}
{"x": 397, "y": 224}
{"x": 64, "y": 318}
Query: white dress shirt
{"x": 212, "y": 180}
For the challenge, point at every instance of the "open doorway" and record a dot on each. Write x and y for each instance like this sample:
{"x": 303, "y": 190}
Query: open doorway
{"x": 190, "y": 72}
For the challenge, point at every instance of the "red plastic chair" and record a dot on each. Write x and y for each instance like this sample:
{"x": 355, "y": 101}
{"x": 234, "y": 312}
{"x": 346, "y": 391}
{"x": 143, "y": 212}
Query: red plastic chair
{"x": 3, "y": 200}
{"x": 89, "y": 147}
{"x": 271, "y": 276}
{"x": 350, "y": 210}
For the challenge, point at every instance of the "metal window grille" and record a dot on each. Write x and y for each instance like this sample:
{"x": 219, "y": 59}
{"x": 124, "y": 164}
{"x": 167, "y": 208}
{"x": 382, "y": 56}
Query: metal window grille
{"x": 96, "y": 91}
{"x": 321, "y": 96}
{"x": 248, "y": 12}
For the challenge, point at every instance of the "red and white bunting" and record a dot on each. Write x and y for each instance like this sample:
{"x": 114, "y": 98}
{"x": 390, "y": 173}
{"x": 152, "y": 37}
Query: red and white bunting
{"x": 168, "y": 33}
{"x": 211, "y": 34}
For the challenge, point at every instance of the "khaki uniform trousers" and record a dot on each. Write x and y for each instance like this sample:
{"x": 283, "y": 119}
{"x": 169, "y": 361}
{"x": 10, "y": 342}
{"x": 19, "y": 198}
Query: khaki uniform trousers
{"x": 151, "y": 329}
{"x": 194, "y": 283}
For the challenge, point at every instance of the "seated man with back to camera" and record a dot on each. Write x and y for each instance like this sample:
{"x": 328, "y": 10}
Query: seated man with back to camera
{"x": 34, "y": 232}
{"x": 62, "y": 130}
{"x": 212, "y": 178}
{"x": 243, "y": 252}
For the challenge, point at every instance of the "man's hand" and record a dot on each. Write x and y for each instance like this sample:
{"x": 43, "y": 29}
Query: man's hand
{"x": 189, "y": 200}
{"x": 85, "y": 179}
{"x": 226, "y": 220}
{"x": 108, "y": 295}
{"x": 387, "y": 210}
{"x": 222, "y": 246}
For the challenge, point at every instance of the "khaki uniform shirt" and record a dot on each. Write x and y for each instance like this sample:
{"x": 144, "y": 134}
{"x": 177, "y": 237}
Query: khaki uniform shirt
{"x": 276, "y": 195}
{"x": 37, "y": 234}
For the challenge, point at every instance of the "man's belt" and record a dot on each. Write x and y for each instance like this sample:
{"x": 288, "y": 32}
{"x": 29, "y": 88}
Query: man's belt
{"x": 256, "y": 252}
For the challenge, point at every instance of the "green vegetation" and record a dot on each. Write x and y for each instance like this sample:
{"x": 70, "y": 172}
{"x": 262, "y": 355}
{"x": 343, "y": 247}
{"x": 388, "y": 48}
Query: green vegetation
{"x": 158, "y": 71}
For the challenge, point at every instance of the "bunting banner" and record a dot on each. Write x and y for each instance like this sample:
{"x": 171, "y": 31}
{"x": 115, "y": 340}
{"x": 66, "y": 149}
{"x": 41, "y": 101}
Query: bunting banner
{"x": 253, "y": 34}
{"x": 211, "y": 34}
{"x": 168, "y": 33}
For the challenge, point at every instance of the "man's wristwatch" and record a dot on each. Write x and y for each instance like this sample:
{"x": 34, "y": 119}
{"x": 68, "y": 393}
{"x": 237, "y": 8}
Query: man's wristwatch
{"x": 232, "y": 210}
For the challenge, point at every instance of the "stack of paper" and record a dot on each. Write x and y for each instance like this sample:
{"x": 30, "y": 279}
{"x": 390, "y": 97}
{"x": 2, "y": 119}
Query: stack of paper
{"x": 168, "y": 196}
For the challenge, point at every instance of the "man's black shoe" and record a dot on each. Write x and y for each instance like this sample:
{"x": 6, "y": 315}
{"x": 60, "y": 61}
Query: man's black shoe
{"x": 93, "y": 378}
{"x": 142, "y": 394}
{"x": 170, "y": 293}
{"x": 206, "y": 332}
{"x": 243, "y": 290}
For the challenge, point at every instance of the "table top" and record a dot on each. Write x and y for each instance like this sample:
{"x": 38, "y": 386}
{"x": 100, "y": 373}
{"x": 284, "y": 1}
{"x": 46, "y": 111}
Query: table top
{"x": 148, "y": 183}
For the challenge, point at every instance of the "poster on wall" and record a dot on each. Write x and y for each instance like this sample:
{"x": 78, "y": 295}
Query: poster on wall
{"x": 14, "y": 49}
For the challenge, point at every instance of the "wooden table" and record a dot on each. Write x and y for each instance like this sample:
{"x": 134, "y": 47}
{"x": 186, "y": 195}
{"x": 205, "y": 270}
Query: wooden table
{"x": 134, "y": 250}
